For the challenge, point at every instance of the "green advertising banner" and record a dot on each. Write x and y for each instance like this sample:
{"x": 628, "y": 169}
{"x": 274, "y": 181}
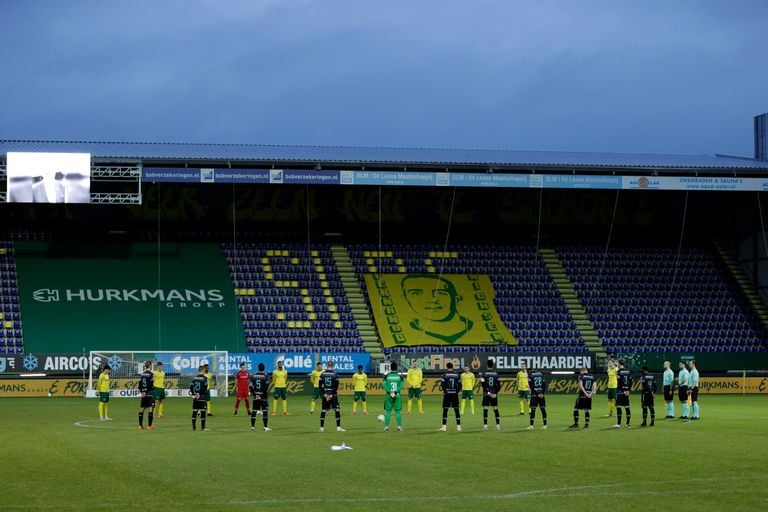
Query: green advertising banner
{"x": 125, "y": 296}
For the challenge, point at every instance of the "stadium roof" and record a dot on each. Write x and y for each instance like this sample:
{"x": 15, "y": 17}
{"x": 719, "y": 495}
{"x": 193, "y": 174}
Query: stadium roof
{"x": 155, "y": 152}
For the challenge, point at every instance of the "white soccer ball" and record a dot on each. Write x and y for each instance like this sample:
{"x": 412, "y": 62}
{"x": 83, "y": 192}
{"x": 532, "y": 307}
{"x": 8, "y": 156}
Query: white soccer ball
{"x": 380, "y": 417}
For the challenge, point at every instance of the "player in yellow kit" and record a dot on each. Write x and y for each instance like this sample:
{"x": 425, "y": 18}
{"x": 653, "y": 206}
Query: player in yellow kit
{"x": 613, "y": 386}
{"x": 414, "y": 379}
{"x": 467, "y": 389}
{"x": 103, "y": 388}
{"x": 209, "y": 377}
{"x": 159, "y": 389}
{"x": 360, "y": 380}
{"x": 314, "y": 378}
{"x": 523, "y": 389}
{"x": 280, "y": 378}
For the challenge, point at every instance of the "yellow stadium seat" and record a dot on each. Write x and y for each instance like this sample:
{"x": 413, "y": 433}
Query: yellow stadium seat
{"x": 294, "y": 284}
{"x": 428, "y": 261}
{"x": 372, "y": 269}
{"x": 9, "y": 324}
{"x": 337, "y": 325}
{"x": 285, "y": 253}
{"x": 264, "y": 261}
{"x": 332, "y": 308}
{"x": 306, "y": 300}
{"x": 369, "y": 261}
{"x": 431, "y": 269}
{"x": 312, "y": 316}
{"x": 321, "y": 277}
{"x": 269, "y": 276}
{"x": 307, "y": 324}
{"x": 329, "y": 300}
{"x": 367, "y": 254}
{"x": 432, "y": 254}
{"x": 327, "y": 292}
{"x": 281, "y": 316}
{"x": 310, "y": 308}
{"x": 399, "y": 261}
{"x": 317, "y": 261}
{"x": 304, "y": 291}
{"x": 291, "y": 324}
{"x": 294, "y": 261}
{"x": 251, "y": 291}
{"x": 335, "y": 316}
{"x": 454, "y": 254}
{"x": 270, "y": 252}
{"x": 323, "y": 284}
{"x": 267, "y": 268}
{"x": 320, "y": 268}
{"x": 401, "y": 270}
{"x": 314, "y": 253}
{"x": 389, "y": 254}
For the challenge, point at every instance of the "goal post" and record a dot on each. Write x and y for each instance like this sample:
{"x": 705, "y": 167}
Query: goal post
{"x": 179, "y": 368}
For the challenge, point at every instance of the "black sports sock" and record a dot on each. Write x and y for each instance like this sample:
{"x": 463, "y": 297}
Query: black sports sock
{"x": 586, "y": 418}
{"x": 151, "y": 417}
{"x": 653, "y": 414}
{"x": 322, "y": 419}
{"x": 629, "y": 415}
{"x": 265, "y": 416}
{"x": 575, "y": 416}
{"x": 485, "y": 416}
{"x": 458, "y": 416}
{"x": 445, "y": 416}
{"x": 253, "y": 418}
{"x": 203, "y": 415}
{"x": 141, "y": 419}
{"x": 544, "y": 415}
{"x": 533, "y": 415}
{"x": 496, "y": 413}
{"x": 194, "y": 420}
{"x": 618, "y": 415}
{"x": 645, "y": 414}
{"x": 338, "y": 418}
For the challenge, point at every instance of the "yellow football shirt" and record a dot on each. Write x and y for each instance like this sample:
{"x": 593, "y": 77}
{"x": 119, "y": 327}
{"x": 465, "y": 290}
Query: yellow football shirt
{"x": 467, "y": 381}
{"x": 210, "y": 380}
{"x": 103, "y": 385}
{"x": 159, "y": 379}
{"x": 314, "y": 377}
{"x": 522, "y": 381}
{"x": 613, "y": 382}
{"x": 280, "y": 377}
{"x": 360, "y": 380}
{"x": 414, "y": 377}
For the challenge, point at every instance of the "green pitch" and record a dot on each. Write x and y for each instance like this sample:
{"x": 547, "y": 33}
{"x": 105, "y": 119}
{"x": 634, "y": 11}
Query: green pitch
{"x": 57, "y": 455}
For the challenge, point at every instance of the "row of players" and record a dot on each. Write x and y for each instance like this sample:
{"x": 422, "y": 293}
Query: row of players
{"x": 531, "y": 385}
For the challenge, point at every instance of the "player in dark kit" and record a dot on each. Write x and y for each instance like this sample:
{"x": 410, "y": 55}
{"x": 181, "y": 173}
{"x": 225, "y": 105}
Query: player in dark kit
{"x": 451, "y": 385}
{"x": 622, "y": 398}
{"x": 147, "y": 390}
{"x": 491, "y": 388}
{"x": 584, "y": 400}
{"x": 538, "y": 388}
{"x": 198, "y": 388}
{"x": 648, "y": 382}
{"x": 259, "y": 388}
{"x": 329, "y": 388}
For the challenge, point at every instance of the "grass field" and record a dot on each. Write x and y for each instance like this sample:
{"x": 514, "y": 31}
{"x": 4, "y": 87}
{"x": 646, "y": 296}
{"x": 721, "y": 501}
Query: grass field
{"x": 56, "y": 457}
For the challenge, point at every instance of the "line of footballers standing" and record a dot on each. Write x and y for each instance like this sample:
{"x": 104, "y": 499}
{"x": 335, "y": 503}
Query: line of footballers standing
{"x": 458, "y": 388}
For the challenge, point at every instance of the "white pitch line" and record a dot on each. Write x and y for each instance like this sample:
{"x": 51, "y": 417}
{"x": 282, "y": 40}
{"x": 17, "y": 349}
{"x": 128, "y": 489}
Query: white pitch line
{"x": 101, "y": 425}
{"x": 565, "y": 491}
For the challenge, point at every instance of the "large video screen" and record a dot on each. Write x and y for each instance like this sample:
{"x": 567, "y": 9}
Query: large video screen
{"x": 48, "y": 177}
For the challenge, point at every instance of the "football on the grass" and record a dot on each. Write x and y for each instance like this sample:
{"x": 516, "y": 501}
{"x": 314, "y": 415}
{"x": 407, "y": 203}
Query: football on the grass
{"x": 380, "y": 417}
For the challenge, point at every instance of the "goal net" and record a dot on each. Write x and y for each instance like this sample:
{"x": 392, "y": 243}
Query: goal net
{"x": 179, "y": 368}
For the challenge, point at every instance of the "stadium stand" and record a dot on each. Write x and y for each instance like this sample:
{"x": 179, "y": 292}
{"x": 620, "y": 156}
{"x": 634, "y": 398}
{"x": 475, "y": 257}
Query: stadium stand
{"x": 11, "y": 334}
{"x": 290, "y": 297}
{"x": 646, "y": 299}
{"x": 526, "y": 297}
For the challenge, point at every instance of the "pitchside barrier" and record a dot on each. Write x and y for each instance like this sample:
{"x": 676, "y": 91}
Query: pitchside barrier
{"x": 741, "y": 383}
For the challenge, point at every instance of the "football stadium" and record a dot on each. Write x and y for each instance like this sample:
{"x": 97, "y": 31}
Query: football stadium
{"x": 258, "y": 327}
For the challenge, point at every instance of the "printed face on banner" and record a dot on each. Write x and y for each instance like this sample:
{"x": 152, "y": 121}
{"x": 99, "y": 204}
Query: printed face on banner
{"x": 427, "y": 309}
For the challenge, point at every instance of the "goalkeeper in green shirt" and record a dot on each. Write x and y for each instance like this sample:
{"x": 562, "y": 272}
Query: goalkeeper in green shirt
{"x": 393, "y": 384}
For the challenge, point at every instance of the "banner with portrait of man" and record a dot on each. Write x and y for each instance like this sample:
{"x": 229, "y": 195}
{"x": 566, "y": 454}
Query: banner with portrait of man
{"x": 431, "y": 309}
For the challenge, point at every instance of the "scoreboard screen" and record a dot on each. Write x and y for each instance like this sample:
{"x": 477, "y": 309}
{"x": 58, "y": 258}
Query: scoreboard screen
{"x": 48, "y": 177}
